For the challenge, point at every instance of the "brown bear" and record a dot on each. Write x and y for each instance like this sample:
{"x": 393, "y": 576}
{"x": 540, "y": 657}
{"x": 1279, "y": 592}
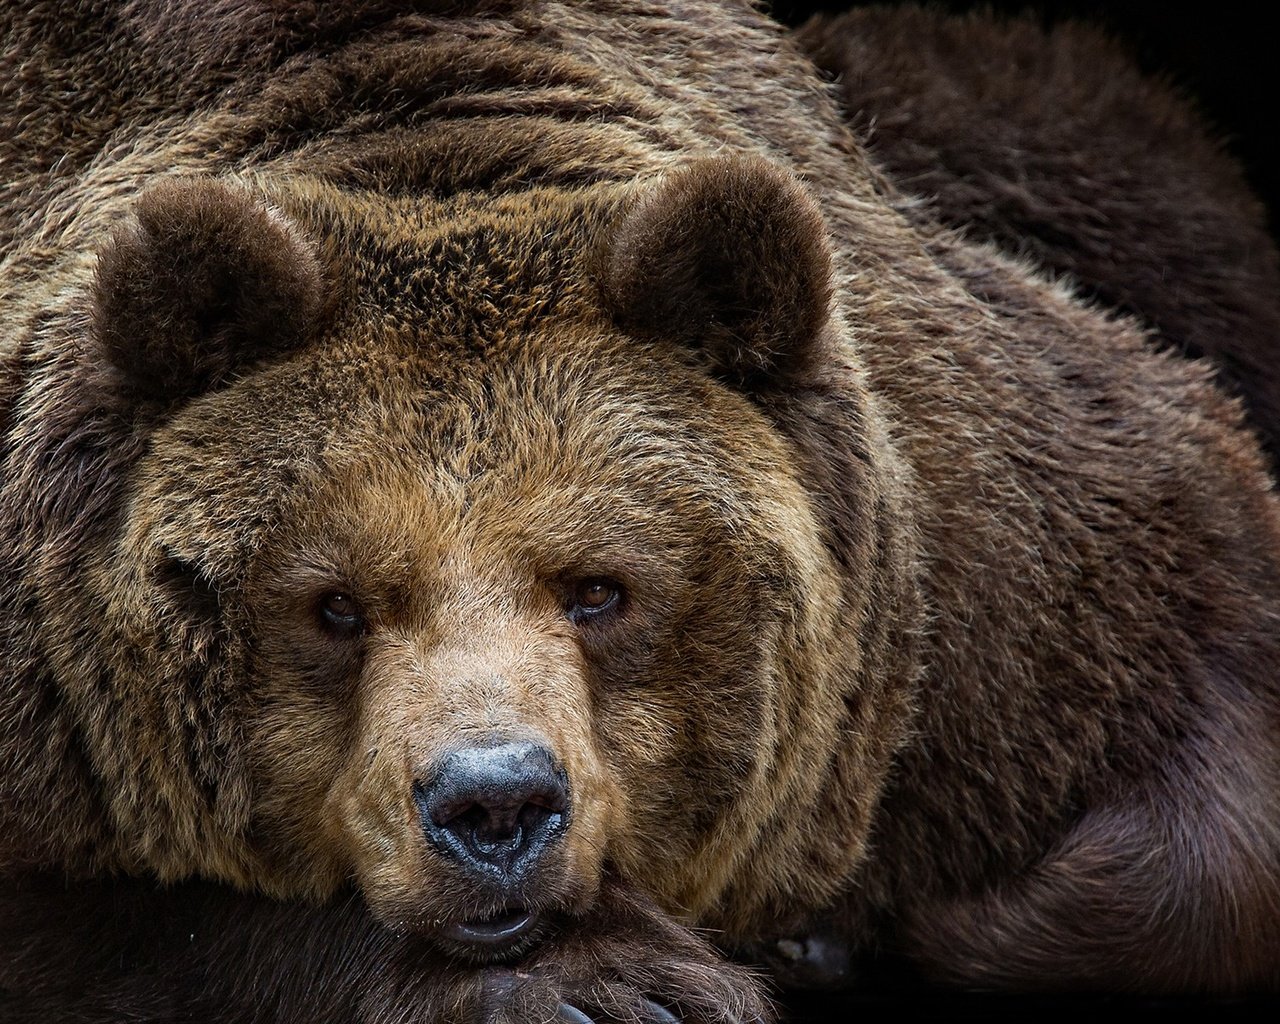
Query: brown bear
{"x": 499, "y": 496}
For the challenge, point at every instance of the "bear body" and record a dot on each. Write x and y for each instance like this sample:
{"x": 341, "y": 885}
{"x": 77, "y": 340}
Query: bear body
{"x": 1122, "y": 189}
{"x": 488, "y": 487}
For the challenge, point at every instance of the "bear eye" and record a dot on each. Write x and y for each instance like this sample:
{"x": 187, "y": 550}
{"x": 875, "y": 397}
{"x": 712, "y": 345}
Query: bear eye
{"x": 340, "y": 614}
{"x": 594, "y": 596}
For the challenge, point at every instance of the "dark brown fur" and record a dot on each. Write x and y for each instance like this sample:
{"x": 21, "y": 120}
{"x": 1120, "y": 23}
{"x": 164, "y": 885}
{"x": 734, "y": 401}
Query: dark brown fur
{"x": 1052, "y": 144}
{"x": 953, "y": 606}
{"x": 201, "y": 276}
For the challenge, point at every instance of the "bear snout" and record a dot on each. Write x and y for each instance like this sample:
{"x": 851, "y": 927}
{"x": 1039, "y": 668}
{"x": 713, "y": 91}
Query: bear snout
{"x": 495, "y": 809}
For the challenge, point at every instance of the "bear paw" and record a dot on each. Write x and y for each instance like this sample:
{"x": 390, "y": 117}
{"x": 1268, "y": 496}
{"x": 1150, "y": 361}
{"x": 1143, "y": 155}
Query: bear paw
{"x": 628, "y": 964}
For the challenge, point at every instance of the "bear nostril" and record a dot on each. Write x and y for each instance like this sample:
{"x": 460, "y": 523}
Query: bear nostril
{"x": 492, "y": 827}
{"x": 495, "y": 809}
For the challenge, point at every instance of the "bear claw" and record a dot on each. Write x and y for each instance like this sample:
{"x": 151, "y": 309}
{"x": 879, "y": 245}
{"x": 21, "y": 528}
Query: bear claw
{"x": 657, "y": 1013}
{"x": 815, "y": 961}
{"x": 648, "y": 1012}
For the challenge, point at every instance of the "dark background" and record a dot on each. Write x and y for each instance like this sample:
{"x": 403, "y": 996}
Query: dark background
{"x": 1225, "y": 55}
{"x": 1227, "y": 58}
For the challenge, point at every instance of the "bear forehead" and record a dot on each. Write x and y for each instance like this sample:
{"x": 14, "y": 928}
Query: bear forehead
{"x": 468, "y": 266}
{"x": 370, "y": 438}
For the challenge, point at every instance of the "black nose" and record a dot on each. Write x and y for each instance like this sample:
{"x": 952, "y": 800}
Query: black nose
{"x": 495, "y": 809}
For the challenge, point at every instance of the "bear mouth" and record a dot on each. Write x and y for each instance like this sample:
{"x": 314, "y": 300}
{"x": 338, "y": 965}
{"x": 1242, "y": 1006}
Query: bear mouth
{"x": 499, "y": 934}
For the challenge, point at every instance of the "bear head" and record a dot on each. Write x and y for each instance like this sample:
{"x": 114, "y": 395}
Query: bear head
{"x": 468, "y": 548}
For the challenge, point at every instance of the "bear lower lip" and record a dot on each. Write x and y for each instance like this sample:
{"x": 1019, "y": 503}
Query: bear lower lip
{"x": 500, "y": 930}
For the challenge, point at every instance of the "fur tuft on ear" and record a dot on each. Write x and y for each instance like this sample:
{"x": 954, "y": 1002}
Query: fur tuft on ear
{"x": 728, "y": 255}
{"x": 204, "y": 278}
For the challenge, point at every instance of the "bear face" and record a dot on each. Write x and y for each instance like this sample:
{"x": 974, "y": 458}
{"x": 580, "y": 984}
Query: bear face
{"x": 476, "y": 624}
{"x": 367, "y": 578}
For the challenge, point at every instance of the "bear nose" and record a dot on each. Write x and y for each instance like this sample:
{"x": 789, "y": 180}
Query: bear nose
{"x": 495, "y": 809}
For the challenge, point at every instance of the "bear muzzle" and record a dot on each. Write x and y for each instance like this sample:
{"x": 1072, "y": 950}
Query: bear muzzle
{"x": 494, "y": 811}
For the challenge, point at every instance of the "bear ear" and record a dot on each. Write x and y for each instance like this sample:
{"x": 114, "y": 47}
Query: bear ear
{"x": 204, "y": 278}
{"x": 730, "y": 256}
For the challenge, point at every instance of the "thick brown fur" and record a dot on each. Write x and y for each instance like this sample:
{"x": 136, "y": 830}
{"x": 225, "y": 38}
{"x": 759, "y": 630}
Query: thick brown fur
{"x": 951, "y": 605}
{"x": 1051, "y": 143}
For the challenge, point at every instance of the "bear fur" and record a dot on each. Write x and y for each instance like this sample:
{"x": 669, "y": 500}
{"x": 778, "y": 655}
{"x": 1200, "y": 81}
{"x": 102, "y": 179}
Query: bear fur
{"x": 945, "y": 606}
{"x": 1122, "y": 189}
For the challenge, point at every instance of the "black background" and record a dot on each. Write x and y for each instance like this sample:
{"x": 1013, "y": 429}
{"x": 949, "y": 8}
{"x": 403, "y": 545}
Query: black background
{"x": 1225, "y": 55}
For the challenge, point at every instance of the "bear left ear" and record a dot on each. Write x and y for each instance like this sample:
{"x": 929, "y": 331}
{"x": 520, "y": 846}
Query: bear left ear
{"x": 730, "y": 256}
{"x": 205, "y": 277}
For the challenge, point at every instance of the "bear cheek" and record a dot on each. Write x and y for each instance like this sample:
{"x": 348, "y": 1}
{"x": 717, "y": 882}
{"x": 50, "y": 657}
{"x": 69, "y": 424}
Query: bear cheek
{"x": 417, "y": 712}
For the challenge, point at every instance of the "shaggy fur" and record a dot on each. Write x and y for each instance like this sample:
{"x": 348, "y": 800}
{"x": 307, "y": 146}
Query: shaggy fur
{"x": 949, "y": 611}
{"x": 1053, "y": 145}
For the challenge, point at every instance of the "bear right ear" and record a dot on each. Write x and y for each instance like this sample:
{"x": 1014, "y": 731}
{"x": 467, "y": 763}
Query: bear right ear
{"x": 203, "y": 279}
{"x": 728, "y": 256}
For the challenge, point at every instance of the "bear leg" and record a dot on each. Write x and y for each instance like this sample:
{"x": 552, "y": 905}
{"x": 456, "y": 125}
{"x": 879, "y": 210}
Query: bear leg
{"x": 1175, "y": 888}
{"x": 105, "y": 951}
